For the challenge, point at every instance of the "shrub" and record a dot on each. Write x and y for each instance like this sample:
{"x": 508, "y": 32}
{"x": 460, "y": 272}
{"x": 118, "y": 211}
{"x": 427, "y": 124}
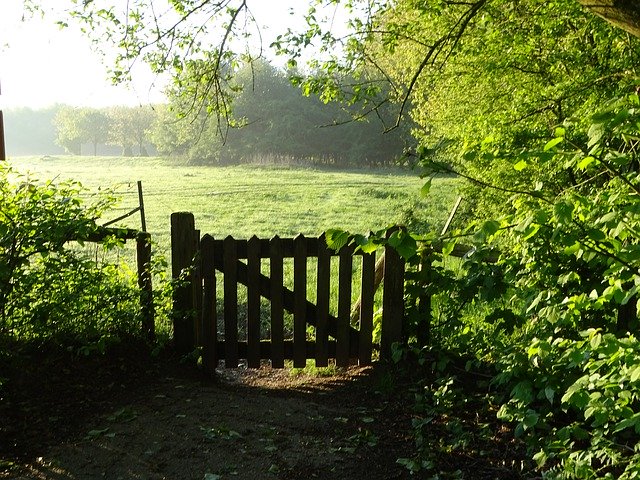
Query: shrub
{"x": 48, "y": 288}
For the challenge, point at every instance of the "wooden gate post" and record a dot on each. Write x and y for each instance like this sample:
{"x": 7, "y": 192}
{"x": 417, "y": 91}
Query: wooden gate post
{"x": 392, "y": 301}
{"x": 183, "y": 250}
{"x": 143, "y": 248}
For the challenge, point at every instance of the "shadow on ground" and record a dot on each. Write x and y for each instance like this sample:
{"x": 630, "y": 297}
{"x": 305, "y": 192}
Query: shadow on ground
{"x": 128, "y": 416}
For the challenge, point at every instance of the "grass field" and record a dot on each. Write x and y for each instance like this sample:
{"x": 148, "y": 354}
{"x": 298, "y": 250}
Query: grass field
{"x": 252, "y": 200}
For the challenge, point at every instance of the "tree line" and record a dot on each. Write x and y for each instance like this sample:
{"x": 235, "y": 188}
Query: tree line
{"x": 272, "y": 121}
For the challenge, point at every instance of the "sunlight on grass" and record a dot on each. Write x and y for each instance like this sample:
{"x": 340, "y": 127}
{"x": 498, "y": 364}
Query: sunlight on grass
{"x": 253, "y": 200}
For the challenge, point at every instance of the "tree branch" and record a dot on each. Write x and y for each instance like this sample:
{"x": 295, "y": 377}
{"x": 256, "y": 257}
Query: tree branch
{"x": 624, "y": 14}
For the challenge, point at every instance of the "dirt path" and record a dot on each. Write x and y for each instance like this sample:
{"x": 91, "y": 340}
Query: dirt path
{"x": 153, "y": 421}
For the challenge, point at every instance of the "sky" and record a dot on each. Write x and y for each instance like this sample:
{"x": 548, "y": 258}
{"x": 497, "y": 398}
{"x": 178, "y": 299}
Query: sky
{"x": 41, "y": 64}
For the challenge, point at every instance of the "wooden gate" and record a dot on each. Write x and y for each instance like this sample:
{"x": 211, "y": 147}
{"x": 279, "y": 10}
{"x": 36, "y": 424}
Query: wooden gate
{"x": 345, "y": 337}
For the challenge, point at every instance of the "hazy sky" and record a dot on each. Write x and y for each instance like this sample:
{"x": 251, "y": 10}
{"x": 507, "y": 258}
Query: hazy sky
{"x": 41, "y": 65}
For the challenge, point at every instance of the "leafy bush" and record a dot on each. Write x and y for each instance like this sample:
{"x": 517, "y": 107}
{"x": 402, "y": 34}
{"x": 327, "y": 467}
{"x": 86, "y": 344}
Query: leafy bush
{"x": 554, "y": 319}
{"x": 48, "y": 289}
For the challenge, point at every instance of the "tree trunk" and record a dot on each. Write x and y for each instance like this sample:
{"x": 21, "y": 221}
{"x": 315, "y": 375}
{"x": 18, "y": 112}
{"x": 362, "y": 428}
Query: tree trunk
{"x": 624, "y": 14}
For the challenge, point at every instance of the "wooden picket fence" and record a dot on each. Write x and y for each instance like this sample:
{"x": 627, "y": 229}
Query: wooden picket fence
{"x": 346, "y": 337}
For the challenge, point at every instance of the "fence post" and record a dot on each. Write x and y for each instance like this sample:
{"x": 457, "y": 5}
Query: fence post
{"x": 183, "y": 250}
{"x": 143, "y": 248}
{"x": 424, "y": 306}
{"x": 392, "y": 301}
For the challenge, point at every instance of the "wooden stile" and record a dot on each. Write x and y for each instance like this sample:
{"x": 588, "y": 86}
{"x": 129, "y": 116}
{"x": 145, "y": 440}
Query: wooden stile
{"x": 300, "y": 302}
{"x": 277, "y": 308}
{"x": 345, "y": 270}
{"x": 253, "y": 302}
{"x": 322, "y": 303}
{"x": 209, "y": 319}
{"x": 367, "y": 292}
{"x": 230, "y": 303}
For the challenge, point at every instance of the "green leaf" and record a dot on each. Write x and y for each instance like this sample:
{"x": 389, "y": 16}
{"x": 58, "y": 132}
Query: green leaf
{"x": 552, "y": 143}
{"x": 540, "y": 458}
{"x": 633, "y": 421}
{"x": 549, "y": 393}
{"x": 563, "y": 211}
{"x": 596, "y": 235}
{"x": 531, "y": 419}
{"x": 336, "y": 238}
{"x": 521, "y": 165}
{"x": 634, "y": 375}
{"x": 490, "y": 227}
{"x": 424, "y": 191}
{"x": 447, "y": 247}
{"x": 404, "y": 244}
{"x": 97, "y": 432}
{"x": 585, "y": 162}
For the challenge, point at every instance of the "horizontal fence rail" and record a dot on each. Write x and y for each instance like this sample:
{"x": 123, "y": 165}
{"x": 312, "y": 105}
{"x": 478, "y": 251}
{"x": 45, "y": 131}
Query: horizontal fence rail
{"x": 345, "y": 337}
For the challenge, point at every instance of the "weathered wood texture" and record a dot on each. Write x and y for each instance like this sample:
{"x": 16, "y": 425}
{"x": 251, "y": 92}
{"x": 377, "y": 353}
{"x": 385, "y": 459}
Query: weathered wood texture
{"x": 183, "y": 250}
{"x": 392, "y": 301}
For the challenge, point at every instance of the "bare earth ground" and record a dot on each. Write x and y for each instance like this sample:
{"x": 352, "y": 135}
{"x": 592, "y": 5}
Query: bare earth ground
{"x": 126, "y": 416}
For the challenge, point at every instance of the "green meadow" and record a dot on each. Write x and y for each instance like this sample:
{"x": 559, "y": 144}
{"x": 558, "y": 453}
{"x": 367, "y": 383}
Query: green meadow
{"x": 251, "y": 200}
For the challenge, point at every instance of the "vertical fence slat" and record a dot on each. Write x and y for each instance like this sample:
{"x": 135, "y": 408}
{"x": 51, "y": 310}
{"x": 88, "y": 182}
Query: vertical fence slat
{"x": 197, "y": 289}
{"x": 300, "y": 302}
{"x": 345, "y": 273}
{"x": 322, "y": 303}
{"x": 366, "y": 308}
{"x": 277, "y": 309}
{"x": 229, "y": 259}
{"x": 182, "y": 253}
{"x": 253, "y": 302}
{"x": 392, "y": 301}
{"x": 209, "y": 318}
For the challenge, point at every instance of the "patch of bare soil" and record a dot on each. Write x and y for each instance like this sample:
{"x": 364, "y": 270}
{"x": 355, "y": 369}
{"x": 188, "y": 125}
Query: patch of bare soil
{"x": 128, "y": 416}
{"x": 125, "y": 416}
